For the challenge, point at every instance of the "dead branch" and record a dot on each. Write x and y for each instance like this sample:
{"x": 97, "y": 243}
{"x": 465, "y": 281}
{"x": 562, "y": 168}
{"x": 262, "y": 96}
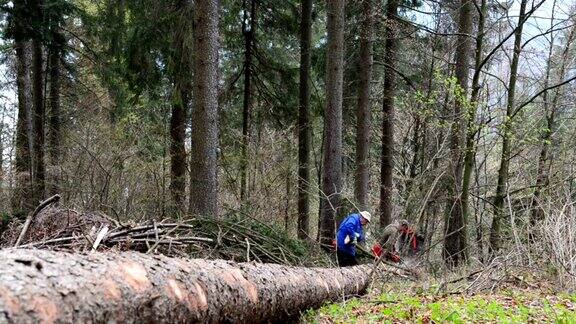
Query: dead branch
{"x": 30, "y": 218}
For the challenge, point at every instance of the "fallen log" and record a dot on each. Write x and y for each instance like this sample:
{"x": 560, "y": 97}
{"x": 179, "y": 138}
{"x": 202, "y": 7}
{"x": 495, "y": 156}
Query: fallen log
{"x": 54, "y": 287}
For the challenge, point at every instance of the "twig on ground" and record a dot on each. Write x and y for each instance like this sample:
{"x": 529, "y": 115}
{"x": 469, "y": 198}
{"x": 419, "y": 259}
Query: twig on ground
{"x": 155, "y": 245}
{"x": 466, "y": 277}
{"x": 56, "y": 240}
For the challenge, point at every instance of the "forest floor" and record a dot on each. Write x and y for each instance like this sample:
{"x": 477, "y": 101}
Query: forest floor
{"x": 401, "y": 301}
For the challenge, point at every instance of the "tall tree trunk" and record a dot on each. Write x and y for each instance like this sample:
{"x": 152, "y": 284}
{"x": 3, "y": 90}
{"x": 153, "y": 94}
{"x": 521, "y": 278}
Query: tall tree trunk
{"x": 248, "y": 32}
{"x": 2, "y": 131}
{"x": 55, "y": 119}
{"x": 287, "y": 202}
{"x": 177, "y": 147}
{"x": 387, "y": 162}
{"x": 363, "y": 113}
{"x": 55, "y": 48}
{"x": 332, "y": 152}
{"x": 36, "y": 12}
{"x": 550, "y": 109}
{"x": 116, "y": 11}
{"x": 21, "y": 204}
{"x": 479, "y": 216}
{"x": 415, "y": 143}
{"x": 182, "y": 72}
{"x": 204, "y": 179}
{"x": 471, "y": 128}
{"x": 39, "y": 119}
{"x": 455, "y": 247}
{"x": 41, "y": 286}
{"x": 304, "y": 122}
{"x": 501, "y": 188}
{"x": 24, "y": 163}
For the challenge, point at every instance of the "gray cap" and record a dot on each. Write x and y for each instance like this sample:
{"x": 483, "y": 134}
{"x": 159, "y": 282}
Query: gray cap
{"x": 402, "y": 222}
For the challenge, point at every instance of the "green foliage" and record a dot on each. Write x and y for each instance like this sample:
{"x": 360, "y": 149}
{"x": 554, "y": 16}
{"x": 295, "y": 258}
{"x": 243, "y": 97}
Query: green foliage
{"x": 519, "y": 307}
{"x": 132, "y": 41}
{"x": 5, "y": 219}
{"x": 274, "y": 232}
{"x": 274, "y": 64}
{"x": 237, "y": 234}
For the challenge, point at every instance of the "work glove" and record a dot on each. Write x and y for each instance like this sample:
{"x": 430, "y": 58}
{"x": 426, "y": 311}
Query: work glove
{"x": 347, "y": 239}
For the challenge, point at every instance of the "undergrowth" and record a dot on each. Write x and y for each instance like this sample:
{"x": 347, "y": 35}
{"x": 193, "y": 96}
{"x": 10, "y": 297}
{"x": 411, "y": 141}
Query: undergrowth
{"x": 398, "y": 302}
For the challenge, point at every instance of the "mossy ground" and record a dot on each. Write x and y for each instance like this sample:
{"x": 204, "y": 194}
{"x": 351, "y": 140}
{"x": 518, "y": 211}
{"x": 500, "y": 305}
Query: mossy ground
{"x": 394, "y": 303}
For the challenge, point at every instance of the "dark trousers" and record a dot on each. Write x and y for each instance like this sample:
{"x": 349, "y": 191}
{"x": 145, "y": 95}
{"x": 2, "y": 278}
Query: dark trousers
{"x": 345, "y": 259}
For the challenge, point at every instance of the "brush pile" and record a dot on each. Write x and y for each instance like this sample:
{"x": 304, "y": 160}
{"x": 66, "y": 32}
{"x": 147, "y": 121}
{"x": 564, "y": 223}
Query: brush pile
{"x": 237, "y": 238}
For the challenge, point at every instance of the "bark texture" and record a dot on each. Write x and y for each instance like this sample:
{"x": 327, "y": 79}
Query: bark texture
{"x": 177, "y": 147}
{"x": 455, "y": 251}
{"x": 472, "y": 128}
{"x": 57, "y": 287}
{"x": 332, "y": 150}
{"x": 387, "y": 159}
{"x": 502, "y": 186}
{"x": 23, "y": 160}
{"x": 363, "y": 113}
{"x": 248, "y": 32}
{"x": 39, "y": 119}
{"x": 182, "y": 72}
{"x": 304, "y": 122}
{"x": 54, "y": 120}
{"x": 204, "y": 177}
{"x": 39, "y": 114}
{"x": 24, "y": 166}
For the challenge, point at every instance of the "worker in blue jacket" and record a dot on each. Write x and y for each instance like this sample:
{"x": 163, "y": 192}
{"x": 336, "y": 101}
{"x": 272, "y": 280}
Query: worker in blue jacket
{"x": 349, "y": 232}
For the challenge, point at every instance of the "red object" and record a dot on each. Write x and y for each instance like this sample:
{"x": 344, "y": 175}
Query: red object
{"x": 334, "y": 244}
{"x": 392, "y": 256}
{"x": 409, "y": 232}
{"x": 377, "y": 250}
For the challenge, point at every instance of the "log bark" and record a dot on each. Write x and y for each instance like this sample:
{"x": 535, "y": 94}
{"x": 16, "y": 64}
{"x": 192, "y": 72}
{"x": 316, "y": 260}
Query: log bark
{"x": 53, "y": 287}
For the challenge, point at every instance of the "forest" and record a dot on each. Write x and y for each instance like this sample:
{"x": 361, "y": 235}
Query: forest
{"x": 214, "y": 154}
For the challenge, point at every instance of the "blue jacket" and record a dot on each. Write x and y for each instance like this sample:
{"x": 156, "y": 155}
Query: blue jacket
{"x": 352, "y": 227}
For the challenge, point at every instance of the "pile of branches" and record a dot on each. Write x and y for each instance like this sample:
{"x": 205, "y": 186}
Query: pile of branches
{"x": 237, "y": 238}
